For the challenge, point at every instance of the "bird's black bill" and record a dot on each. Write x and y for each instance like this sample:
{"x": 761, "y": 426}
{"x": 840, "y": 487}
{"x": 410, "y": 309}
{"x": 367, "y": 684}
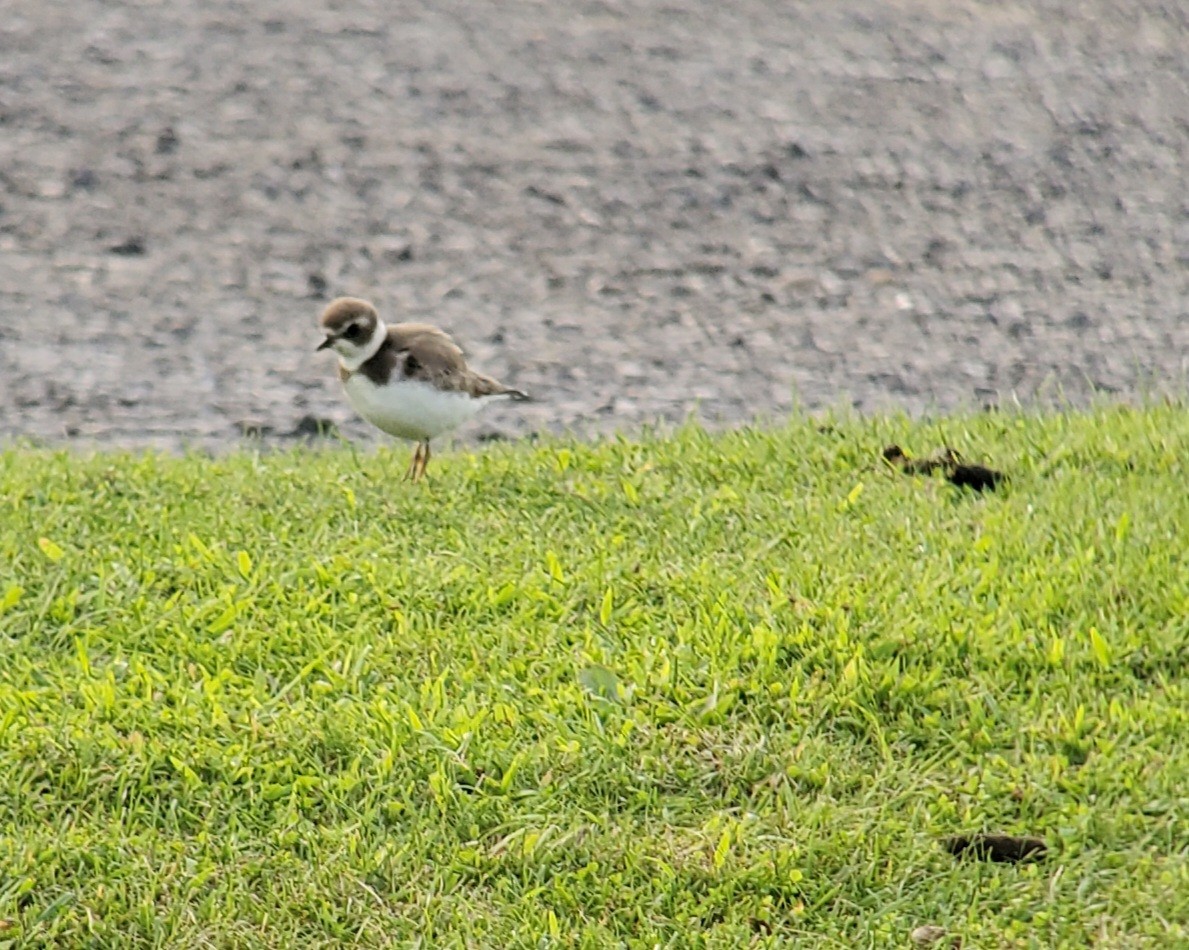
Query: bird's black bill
{"x": 325, "y": 343}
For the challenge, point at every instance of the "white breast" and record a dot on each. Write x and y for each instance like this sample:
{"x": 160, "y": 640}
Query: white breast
{"x": 409, "y": 409}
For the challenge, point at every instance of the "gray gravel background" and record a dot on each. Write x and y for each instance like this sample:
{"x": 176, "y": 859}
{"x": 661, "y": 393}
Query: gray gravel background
{"x": 636, "y": 210}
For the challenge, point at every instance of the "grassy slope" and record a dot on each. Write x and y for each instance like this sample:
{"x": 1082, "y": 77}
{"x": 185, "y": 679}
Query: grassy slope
{"x": 686, "y": 691}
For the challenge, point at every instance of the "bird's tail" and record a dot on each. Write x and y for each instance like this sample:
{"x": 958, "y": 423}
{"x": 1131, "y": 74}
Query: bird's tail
{"x": 484, "y": 386}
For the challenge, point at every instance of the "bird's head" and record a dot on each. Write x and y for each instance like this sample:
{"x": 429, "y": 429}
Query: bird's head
{"x": 352, "y": 329}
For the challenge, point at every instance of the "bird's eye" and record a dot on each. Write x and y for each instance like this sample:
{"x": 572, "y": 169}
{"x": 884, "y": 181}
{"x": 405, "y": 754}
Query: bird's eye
{"x": 352, "y": 331}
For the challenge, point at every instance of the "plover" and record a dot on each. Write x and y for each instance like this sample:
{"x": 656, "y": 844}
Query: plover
{"x": 409, "y": 380}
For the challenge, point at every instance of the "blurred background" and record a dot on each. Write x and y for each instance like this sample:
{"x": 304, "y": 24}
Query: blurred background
{"x": 636, "y": 210}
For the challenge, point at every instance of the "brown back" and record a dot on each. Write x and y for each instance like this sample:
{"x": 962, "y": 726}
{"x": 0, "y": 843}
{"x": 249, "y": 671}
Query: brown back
{"x": 422, "y": 352}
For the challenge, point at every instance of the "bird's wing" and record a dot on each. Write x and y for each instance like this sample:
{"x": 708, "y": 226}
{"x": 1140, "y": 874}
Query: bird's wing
{"x": 429, "y": 355}
{"x": 432, "y": 357}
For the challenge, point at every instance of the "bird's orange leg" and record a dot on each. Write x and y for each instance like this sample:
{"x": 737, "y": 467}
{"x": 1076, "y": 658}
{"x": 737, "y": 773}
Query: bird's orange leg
{"x": 411, "y": 473}
{"x": 424, "y": 459}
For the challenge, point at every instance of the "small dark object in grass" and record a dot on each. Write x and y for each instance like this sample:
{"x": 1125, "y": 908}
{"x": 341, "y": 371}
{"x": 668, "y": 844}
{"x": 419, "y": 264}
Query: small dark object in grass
{"x": 1007, "y": 849}
{"x": 978, "y": 477}
{"x": 946, "y": 458}
{"x": 958, "y": 473}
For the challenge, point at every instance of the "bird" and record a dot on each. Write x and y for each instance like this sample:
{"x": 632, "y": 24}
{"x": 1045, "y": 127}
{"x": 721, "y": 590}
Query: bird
{"x": 409, "y": 380}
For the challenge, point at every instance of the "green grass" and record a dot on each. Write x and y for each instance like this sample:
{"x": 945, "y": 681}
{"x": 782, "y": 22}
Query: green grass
{"x": 701, "y": 690}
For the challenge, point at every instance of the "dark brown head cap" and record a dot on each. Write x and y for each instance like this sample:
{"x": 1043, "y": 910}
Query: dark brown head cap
{"x": 344, "y": 311}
